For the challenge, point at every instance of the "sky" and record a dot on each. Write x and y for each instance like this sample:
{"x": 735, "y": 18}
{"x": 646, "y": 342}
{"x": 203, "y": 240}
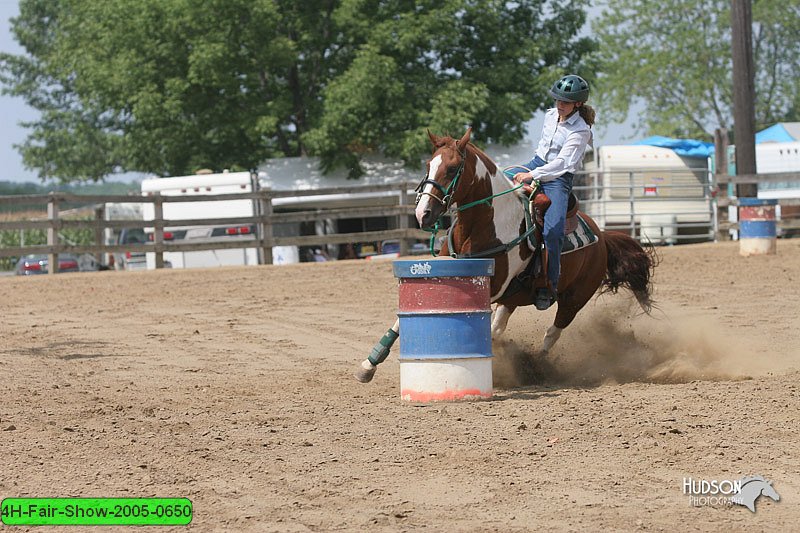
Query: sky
{"x": 14, "y": 110}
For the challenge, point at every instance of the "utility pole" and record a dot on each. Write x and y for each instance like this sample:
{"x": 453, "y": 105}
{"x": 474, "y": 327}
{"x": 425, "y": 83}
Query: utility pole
{"x": 757, "y": 232}
{"x": 744, "y": 94}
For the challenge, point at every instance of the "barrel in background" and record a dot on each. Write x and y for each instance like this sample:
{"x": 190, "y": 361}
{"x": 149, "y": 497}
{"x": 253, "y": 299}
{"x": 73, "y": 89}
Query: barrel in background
{"x": 757, "y": 228}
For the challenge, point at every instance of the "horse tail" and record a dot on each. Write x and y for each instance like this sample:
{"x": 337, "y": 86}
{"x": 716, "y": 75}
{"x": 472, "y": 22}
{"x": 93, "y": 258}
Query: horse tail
{"x": 630, "y": 265}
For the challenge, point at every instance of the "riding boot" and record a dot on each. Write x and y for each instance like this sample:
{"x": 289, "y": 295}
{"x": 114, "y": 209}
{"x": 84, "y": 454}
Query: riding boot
{"x": 545, "y": 297}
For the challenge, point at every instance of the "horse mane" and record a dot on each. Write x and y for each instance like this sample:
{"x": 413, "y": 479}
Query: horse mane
{"x": 448, "y": 140}
{"x": 485, "y": 159}
{"x": 750, "y": 479}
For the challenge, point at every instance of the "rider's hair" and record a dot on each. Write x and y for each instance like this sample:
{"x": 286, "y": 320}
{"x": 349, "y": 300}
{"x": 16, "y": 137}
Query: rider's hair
{"x": 587, "y": 114}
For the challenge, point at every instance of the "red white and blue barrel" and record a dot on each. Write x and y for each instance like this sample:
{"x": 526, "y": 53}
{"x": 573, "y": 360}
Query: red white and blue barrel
{"x": 757, "y": 230}
{"x": 445, "y": 329}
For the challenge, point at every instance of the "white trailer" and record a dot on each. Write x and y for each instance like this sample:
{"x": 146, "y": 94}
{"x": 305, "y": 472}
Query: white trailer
{"x": 204, "y": 185}
{"x": 648, "y": 190}
{"x": 774, "y": 158}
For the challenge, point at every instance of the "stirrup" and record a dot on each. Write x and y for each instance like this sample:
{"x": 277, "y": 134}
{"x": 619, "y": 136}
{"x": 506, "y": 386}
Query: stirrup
{"x": 544, "y": 299}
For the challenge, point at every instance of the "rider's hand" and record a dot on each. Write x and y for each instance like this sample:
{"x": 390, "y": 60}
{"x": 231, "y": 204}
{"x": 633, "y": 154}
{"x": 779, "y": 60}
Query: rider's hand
{"x": 523, "y": 177}
{"x": 526, "y": 180}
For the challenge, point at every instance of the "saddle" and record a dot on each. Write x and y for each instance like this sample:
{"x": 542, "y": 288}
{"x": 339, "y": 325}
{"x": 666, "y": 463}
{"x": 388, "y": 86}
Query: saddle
{"x": 539, "y": 204}
{"x": 537, "y": 268}
{"x": 533, "y": 277}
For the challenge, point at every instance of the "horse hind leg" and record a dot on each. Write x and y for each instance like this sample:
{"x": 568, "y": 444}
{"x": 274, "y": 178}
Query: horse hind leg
{"x": 568, "y": 306}
{"x": 550, "y": 338}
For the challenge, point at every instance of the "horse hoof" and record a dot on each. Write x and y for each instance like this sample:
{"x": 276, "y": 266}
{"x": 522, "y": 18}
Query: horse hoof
{"x": 365, "y": 373}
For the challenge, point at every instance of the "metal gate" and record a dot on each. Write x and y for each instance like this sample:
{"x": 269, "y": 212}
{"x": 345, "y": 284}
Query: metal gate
{"x": 661, "y": 206}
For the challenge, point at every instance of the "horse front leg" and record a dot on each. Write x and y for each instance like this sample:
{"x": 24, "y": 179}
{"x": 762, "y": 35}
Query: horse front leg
{"x": 500, "y": 320}
{"x": 379, "y": 354}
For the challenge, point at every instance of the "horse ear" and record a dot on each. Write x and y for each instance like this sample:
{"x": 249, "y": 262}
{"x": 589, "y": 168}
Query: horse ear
{"x": 462, "y": 143}
{"x": 434, "y": 139}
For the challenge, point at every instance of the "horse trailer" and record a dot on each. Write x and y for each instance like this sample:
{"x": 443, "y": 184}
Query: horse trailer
{"x": 775, "y": 158}
{"x": 280, "y": 174}
{"x": 203, "y": 185}
{"x": 649, "y": 192}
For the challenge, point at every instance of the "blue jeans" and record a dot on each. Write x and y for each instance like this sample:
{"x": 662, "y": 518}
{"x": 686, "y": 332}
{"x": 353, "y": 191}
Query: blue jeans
{"x": 554, "y": 219}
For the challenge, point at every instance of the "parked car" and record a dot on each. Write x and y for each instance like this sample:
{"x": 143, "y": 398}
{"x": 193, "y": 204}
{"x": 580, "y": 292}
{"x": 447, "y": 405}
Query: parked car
{"x": 131, "y": 260}
{"x": 392, "y": 246}
{"x": 33, "y": 264}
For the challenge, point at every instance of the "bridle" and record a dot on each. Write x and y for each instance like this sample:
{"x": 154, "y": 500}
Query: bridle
{"x": 447, "y": 193}
{"x": 447, "y": 199}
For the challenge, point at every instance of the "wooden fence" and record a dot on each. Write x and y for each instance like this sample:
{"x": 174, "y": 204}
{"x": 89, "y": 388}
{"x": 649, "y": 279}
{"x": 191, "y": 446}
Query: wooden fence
{"x": 264, "y": 220}
{"x": 264, "y": 239}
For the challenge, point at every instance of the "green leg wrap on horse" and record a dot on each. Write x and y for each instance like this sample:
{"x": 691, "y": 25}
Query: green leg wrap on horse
{"x": 381, "y": 350}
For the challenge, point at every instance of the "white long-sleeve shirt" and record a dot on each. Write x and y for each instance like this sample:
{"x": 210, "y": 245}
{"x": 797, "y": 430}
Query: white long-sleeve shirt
{"x": 562, "y": 145}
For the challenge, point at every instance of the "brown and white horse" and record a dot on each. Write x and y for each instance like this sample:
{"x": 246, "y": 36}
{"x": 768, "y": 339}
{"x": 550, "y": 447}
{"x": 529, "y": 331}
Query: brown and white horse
{"x": 459, "y": 174}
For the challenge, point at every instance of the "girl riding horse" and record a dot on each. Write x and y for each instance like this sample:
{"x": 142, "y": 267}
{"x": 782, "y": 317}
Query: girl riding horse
{"x": 491, "y": 222}
{"x": 565, "y": 134}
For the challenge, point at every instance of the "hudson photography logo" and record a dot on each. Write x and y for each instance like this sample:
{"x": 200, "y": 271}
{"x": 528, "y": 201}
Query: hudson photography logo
{"x": 727, "y": 492}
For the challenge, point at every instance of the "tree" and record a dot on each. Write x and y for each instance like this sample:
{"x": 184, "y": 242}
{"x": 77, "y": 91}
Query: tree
{"x": 674, "y": 58}
{"x": 443, "y": 65}
{"x": 170, "y": 86}
{"x": 157, "y": 86}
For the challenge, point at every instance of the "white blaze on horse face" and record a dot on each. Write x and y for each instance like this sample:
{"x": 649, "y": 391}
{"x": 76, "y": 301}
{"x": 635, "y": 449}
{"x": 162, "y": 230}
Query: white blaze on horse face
{"x": 427, "y": 191}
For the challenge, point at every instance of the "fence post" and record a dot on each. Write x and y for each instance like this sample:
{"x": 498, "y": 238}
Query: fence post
{"x": 265, "y": 225}
{"x": 52, "y": 233}
{"x": 720, "y": 169}
{"x": 633, "y": 205}
{"x": 99, "y": 215}
{"x": 158, "y": 226}
{"x": 402, "y": 222}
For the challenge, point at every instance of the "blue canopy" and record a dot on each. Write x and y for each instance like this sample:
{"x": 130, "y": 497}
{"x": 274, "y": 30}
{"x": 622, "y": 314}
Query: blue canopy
{"x": 776, "y": 133}
{"x": 683, "y": 147}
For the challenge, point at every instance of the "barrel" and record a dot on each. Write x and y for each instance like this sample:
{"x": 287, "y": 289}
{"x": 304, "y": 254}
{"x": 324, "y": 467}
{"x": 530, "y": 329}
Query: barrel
{"x": 757, "y": 230}
{"x": 445, "y": 329}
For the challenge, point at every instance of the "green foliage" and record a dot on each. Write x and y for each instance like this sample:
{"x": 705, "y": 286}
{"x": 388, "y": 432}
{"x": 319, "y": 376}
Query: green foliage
{"x": 443, "y": 65}
{"x": 27, "y": 211}
{"x": 164, "y": 87}
{"x": 11, "y": 188}
{"x": 170, "y": 86}
{"x": 34, "y": 237}
{"x": 675, "y": 58}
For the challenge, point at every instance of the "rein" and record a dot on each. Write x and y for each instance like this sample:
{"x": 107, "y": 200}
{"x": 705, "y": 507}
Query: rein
{"x": 501, "y": 248}
{"x": 447, "y": 199}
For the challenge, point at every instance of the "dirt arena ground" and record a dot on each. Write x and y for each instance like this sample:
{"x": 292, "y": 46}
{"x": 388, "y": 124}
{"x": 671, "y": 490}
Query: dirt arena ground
{"x": 232, "y": 387}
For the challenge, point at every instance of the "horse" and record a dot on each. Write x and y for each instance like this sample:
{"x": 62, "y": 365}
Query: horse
{"x": 491, "y": 223}
{"x": 752, "y": 488}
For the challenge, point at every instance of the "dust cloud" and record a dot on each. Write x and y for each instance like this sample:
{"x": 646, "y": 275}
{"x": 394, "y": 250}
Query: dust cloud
{"x": 612, "y": 345}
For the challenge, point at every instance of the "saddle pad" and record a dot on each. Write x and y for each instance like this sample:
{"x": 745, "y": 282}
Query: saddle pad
{"x": 581, "y": 237}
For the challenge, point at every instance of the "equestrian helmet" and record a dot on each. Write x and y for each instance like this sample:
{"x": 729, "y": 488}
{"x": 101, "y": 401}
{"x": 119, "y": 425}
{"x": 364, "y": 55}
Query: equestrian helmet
{"x": 570, "y": 88}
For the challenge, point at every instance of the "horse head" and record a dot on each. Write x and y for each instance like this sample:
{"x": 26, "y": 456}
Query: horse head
{"x": 440, "y": 186}
{"x": 751, "y": 488}
{"x": 769, "y": 491}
